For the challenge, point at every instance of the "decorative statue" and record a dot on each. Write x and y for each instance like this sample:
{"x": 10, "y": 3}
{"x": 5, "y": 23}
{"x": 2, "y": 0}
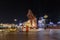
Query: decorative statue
{"x": 32, "y": 19}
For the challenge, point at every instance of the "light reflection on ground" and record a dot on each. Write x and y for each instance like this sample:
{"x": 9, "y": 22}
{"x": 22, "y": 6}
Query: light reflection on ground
{"x": 47, "y": 34}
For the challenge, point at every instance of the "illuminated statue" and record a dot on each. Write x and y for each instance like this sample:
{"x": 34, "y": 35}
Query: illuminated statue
{"x": 32, "y": 19}
{"x": 41, "y": 22}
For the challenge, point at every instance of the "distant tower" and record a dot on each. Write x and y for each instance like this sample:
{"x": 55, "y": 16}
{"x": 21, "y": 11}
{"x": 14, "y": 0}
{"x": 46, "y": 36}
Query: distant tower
{"x": 32, "y": 19}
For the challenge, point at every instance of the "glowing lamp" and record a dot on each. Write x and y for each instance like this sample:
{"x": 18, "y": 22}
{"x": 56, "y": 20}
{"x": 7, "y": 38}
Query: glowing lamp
{"x": 46, "y": 16}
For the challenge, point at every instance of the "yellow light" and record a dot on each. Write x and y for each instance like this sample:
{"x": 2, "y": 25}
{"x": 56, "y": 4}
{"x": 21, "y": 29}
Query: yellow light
{"x": 46, "y": 16}
{"x": 1, "y": 30}
{"x": 13, "y": 29}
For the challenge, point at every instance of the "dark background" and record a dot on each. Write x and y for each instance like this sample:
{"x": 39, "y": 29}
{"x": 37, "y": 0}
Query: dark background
{"x": 14, "y": 9}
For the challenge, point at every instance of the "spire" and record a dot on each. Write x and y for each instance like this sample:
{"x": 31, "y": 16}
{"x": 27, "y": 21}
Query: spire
{"x": 30, "y": 14}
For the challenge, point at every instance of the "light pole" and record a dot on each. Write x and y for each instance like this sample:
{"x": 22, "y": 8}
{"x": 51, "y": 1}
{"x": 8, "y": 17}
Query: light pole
{"x": 15, "y": 20}
{"x": 45, "y": 16}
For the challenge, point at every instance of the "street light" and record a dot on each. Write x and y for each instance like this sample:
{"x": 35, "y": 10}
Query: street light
{"x": 45, "y": 16}
{"x": 15, "y": 20}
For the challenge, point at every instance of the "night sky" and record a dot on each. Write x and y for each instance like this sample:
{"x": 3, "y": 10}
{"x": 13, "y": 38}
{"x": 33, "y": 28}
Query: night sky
{"x": 14, "y": 9}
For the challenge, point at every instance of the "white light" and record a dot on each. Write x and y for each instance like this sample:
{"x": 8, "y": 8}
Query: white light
{"x": 58, "y": 22}
{"x": 20, "y": 24}
{"x": 51, "y": 23}
{"x": 15, "y": 19}
{"x": 41, "y": 23}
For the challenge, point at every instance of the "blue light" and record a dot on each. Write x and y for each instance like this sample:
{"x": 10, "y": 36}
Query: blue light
{"x": 51, "y": 23}
{"x": 20, "y": 24}
{"x": 58, "y": 22}
{"x": 42, "y": 17}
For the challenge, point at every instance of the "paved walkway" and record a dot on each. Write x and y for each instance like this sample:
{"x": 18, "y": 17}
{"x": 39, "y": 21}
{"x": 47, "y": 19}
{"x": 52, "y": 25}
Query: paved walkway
{"x": 48, "y": 34}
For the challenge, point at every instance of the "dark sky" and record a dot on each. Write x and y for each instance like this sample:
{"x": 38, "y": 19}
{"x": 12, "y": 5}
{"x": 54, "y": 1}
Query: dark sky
{"x": 9, "y": 10}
